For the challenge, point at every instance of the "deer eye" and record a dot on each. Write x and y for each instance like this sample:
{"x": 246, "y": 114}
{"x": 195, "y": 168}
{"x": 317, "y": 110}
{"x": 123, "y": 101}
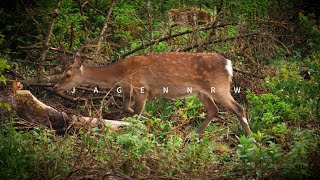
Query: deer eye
{"x": 68, "y": 75}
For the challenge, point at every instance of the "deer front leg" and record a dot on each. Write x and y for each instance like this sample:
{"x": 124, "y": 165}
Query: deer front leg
{"x": 140, "y": 101}
{"x": 211, "y": 109}
{"x": 127, "y": 104}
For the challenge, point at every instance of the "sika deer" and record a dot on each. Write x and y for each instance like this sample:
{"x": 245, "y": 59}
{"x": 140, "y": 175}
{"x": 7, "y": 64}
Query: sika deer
{"x": 167, "y": 75}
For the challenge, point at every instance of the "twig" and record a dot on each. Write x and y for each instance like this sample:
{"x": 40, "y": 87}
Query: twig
{"x": 53, "y": 49}
{"x": 100, "y": 12}
{"x": 84, "y": 22}
{"x": 31, "y": 62}
{"x": 34, "y": 19}
{"x": 46, "y": 41}
{"x": 105, "y": 25}
{"x": 142, "y": 46}
{"x": 150, "y": 21}
{"x": 282, "y": 44}
{"x": 121, "y": 175}
{"x": 63, "y": 95}
{"x": 39, "y": 84}
{"x": 247, "y": 73}
{"x": 274, "y": 23}
{"x": 217, "y": 41}
{"x": 71, "y": 35}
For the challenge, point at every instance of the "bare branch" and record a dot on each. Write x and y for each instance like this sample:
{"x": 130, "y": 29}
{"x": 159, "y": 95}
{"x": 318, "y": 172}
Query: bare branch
{"x": 84, "y": 22}
{"x": 217, "y": 41}
{"x": 105, "y": 25}
{"x": 142, "y": 46}
{"x": 46, "y": 41}
{"x": 247, "y": 73}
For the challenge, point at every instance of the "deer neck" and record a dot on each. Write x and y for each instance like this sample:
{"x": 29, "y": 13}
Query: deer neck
{"x": 106, "y": 76}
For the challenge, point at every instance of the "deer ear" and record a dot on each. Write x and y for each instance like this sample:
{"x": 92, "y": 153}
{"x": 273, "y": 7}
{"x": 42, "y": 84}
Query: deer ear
{"x": 77, "y": 61}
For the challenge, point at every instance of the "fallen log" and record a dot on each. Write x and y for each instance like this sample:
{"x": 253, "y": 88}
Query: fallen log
{"x": 31, "y": 112}
{"x": 34, "y": 111}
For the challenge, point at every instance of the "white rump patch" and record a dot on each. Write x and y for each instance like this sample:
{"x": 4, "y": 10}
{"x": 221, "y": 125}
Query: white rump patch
{"x": 229, "y": 67}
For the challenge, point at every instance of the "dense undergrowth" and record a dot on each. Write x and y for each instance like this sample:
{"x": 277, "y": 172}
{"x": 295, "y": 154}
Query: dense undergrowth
{"x": 285, "y": 144}
{"x": 164, "y": 143}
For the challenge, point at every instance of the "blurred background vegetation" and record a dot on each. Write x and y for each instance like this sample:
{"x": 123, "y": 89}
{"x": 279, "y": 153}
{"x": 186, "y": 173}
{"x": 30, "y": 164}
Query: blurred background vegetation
{"x": 275, "y": 49}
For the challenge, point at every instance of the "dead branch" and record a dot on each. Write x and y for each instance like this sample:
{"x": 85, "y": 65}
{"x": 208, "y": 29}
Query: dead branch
{"x": 84, "y": 22}
{"x": 93, "y": 122}
{"x": 33, "y": 18}
{"x": 142, "y": 46}
{"x": 216, "y": 41}
{"x": 48, "y": 79}
{"x": 53, "y": 49}
{"x": 71, "y": 35}
{"x": 93, "y": 7}
{"x": 105, "y": 25}
{"x": 282, "y": 44}
{"x": 40, "y": 47}
{"x": 274, "y": 23}
{"x": 150, "y": 21}
{"x": 247, "y": 73}
{"x": 39, "y": 84}
{"x": 62, "y": 95}
{"x": 46, "y": 41}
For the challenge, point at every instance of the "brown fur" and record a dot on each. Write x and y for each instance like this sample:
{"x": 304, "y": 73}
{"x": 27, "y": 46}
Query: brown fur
{"x": 175, "y": 71}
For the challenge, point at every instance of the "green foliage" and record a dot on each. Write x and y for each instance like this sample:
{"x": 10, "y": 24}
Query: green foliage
{"x": 311, "y": 29}
{"x": 269, "y": 110}
{"x": 190, "y": 108}
{"x": 68, "y": 15}
{"x": 161, "y": 108}
{"x": 297, "y": 85}
{"x": 161, "y": 47}
{"x": 294, "y": 98}
{"x": 248, "y": 9}
{"x": 3, "y": 63}
{"x": 6, "y": 106}
{"x": 147, "y": 145}
{"x": 286, "y": 118}
{"x": 31, "y": 155}
{"x": 285, "y": 114}
{"x": 3, "y": 66}
{"x": 14, "y": 159}
{"x": 174, "y": 154}
{"x": 304, "y": 152}
{"x": 257, "y": 155}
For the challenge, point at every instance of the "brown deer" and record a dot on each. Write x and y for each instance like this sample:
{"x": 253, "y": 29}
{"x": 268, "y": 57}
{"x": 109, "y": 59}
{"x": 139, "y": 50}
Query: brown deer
{"x": 167, "y": 75}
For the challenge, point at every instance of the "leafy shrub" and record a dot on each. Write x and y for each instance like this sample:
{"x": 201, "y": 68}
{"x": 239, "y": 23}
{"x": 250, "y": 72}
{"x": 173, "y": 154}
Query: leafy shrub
{"x": 268, "y": 110}
{"x": 146, "y": 145}
{"x": 190, "y": 108}
{"x": 297, "y": 85}
{"x": 304, "y": 153}
{"x": 30, "y": 155}
{"x": 15, "y": 162}
{"x": 257, "y": 155}
{"x": 3, "y": 62}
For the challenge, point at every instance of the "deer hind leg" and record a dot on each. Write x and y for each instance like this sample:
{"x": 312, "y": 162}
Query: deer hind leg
{"x": 211, "y": 109}
{"x": 227, "y": 101}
